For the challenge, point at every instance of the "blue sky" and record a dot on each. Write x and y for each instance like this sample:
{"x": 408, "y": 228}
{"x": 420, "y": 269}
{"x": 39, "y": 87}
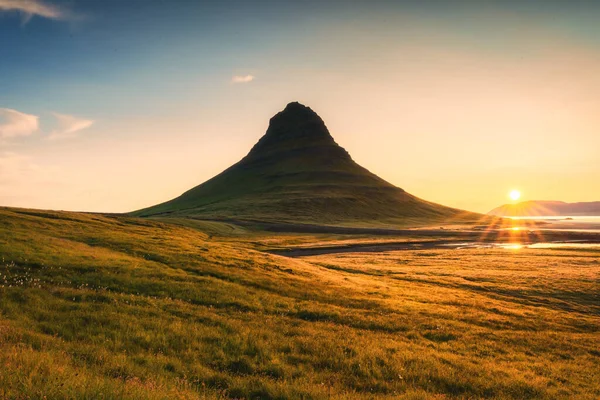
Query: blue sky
{"x": 115, "y": 105}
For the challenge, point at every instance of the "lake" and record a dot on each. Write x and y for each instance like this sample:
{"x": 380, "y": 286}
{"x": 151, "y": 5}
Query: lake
{"x": 575, "y": 223}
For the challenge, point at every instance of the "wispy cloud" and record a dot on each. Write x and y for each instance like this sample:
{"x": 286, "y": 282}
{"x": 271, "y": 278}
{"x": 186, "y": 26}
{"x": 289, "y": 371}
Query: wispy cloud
{"x": 30, "y": 8}
{"x": 242, "y": 78}
{"x": 15, "y": 123}
{"x": 69, "y": 126}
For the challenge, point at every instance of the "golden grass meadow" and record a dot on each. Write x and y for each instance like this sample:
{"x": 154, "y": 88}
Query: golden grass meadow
{"x": 115, "y": 307}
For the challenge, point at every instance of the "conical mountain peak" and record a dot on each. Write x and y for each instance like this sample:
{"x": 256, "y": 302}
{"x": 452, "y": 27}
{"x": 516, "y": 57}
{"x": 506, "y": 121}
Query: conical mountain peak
{"x": 296, "y": 127}
{"x": 297, "y": 108}
{"x": 297, "y": 173}
{"x": 296, "y": 115}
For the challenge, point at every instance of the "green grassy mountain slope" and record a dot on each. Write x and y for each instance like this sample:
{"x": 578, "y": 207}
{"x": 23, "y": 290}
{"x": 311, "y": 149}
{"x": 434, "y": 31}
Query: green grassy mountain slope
{"x": 297, "y": 173}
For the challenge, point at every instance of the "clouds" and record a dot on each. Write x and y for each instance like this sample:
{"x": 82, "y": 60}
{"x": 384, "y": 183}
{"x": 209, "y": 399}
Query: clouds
{"x": 69, "y": 126}
{"x": 240, "y": 78}
{"x": 14, "y": 123}
{"x": 30, "y": 8}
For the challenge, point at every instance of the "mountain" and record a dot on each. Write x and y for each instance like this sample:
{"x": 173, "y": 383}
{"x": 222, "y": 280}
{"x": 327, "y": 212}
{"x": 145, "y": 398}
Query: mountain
{"x": 542, "y": 208}
{"x": 297, "y": 173}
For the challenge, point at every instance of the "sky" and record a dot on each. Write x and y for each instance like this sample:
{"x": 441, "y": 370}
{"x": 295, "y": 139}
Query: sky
{"x": 115, "y": 105}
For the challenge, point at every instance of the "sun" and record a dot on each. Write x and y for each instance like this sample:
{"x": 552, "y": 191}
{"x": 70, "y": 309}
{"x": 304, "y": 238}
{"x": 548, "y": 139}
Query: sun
{"x": 514, "y": 195}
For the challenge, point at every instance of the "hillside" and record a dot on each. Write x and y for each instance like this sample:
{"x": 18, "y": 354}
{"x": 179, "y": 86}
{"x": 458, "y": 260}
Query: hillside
{"x": 546, "y": 208}
{"x": 297, "y": 173}
{"x": 112, "y": 307}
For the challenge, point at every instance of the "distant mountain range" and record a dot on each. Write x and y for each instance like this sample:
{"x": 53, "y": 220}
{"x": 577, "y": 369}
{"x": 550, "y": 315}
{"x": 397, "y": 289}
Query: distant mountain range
{"x": 297, "y": 173}
{"x": 535, "y": 208}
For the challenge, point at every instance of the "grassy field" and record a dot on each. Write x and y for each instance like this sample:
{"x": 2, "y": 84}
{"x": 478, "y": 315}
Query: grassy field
{"x": 94, "y": 306}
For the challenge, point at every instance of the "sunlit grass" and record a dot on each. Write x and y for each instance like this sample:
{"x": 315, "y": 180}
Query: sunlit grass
{"x": 114, "y": 307}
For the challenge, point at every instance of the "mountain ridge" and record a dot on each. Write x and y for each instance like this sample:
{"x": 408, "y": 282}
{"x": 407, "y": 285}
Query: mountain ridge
{"x": 534, "y": 208}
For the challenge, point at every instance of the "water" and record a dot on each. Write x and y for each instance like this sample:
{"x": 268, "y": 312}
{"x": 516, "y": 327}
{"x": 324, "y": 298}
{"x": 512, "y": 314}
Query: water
{"x": 564, "y": 246}
{"x": 575, "y": 223}
{"x": 517, "y": 246}
{"x": 569, "y": 218}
